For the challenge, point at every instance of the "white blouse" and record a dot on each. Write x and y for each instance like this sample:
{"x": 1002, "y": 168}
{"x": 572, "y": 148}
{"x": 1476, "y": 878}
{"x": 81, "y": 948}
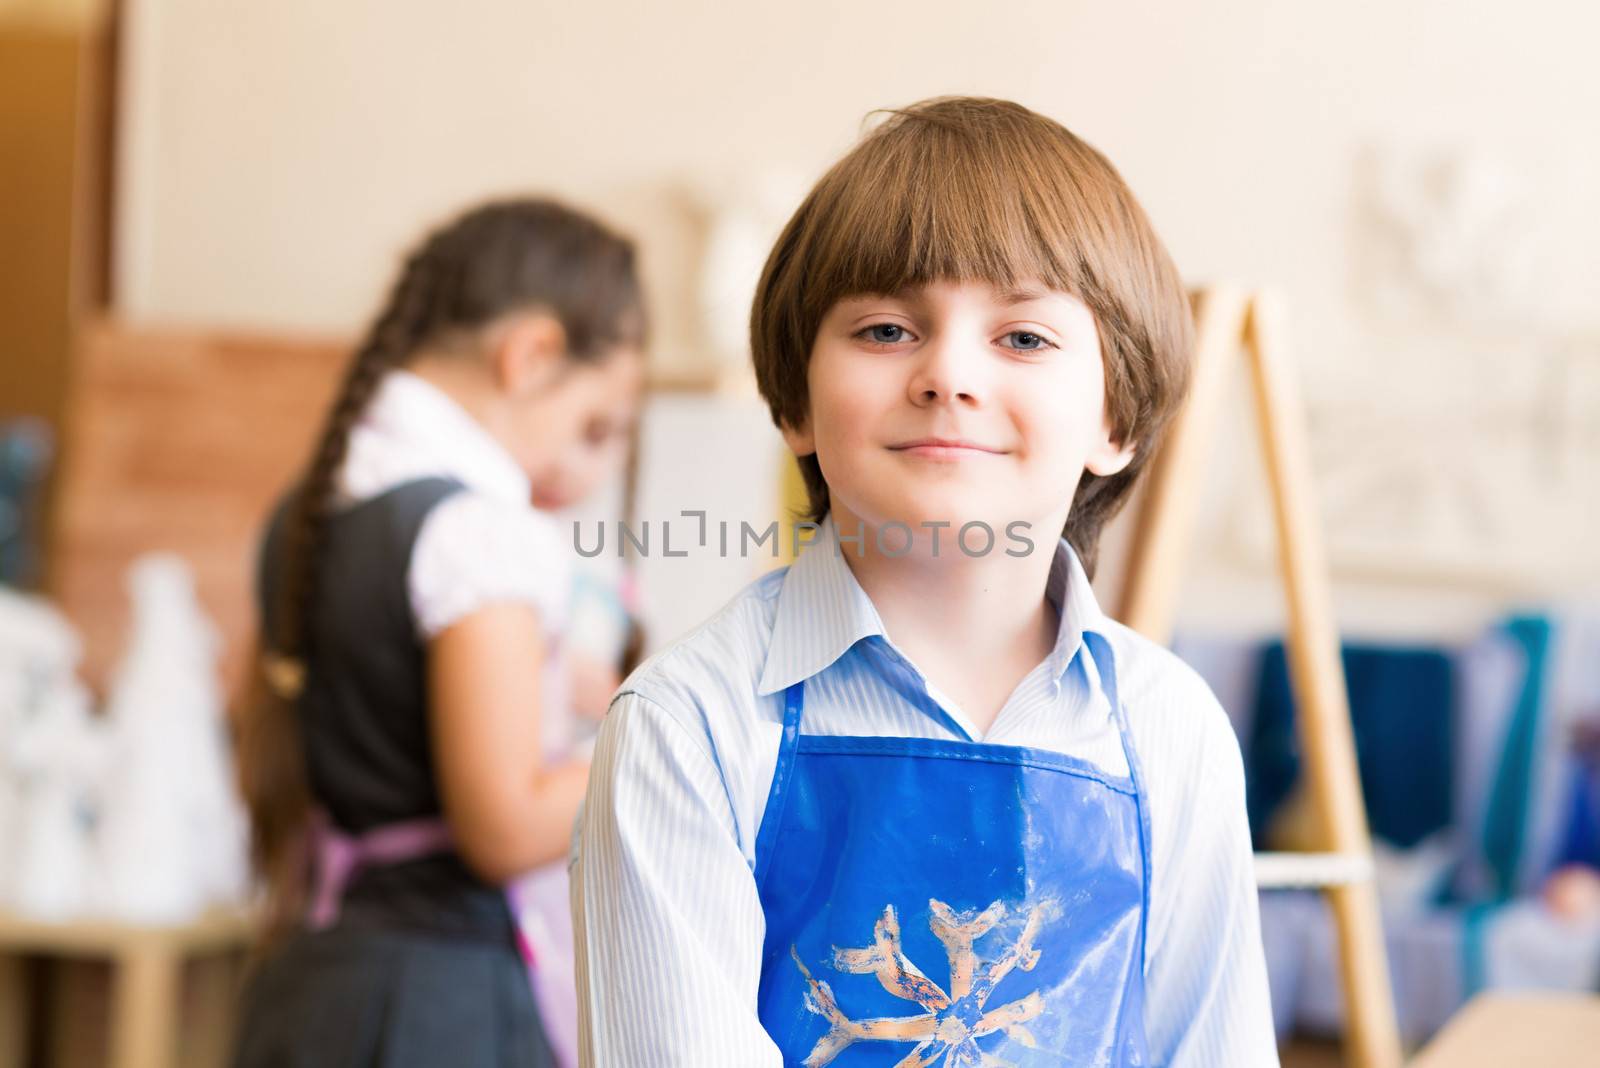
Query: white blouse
{"x": 484, "y": 545}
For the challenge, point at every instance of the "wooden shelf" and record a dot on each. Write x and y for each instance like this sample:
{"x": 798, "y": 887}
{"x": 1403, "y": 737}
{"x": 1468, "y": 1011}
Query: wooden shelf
{"x": 217, "y": 931}
{"x": 147, "y": 1022}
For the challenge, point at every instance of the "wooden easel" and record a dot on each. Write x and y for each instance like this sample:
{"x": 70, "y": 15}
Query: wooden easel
{"x": 1228, "y": 322}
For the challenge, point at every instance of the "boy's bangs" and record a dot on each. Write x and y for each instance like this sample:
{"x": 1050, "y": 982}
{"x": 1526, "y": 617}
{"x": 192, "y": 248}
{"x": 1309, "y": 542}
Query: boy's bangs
{"x": 903, "y": 221}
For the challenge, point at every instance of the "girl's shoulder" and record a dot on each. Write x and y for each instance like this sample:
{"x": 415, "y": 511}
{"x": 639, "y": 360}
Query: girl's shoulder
{"x": 475, "y": 549}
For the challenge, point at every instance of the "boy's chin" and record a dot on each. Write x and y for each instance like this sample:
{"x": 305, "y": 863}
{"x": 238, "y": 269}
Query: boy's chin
{"x": 924, "y": 517}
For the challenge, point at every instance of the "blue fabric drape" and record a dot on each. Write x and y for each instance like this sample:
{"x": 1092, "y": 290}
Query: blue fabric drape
{"x": 1401, "y": 708}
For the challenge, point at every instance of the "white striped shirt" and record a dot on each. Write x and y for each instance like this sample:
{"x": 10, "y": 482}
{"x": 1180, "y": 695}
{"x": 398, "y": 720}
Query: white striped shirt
{"x": 668, "y": 921}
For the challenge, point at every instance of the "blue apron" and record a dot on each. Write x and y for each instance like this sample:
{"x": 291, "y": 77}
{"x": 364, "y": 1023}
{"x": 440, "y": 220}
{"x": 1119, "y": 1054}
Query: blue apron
{"x": 947, "y": 903}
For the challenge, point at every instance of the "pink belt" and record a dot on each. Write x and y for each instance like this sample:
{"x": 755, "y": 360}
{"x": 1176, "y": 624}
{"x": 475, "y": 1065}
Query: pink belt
{"x": 339, "y": 856}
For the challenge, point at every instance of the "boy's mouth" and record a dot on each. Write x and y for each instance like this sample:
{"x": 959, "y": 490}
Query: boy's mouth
{"x": 943, "y": 448}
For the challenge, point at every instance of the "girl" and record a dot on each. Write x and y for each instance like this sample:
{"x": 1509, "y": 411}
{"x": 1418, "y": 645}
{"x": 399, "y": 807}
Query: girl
{"x": 412, "y": 598}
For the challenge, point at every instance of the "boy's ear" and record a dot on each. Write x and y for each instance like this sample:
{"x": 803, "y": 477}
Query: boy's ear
{"x": 526, "y": 351}
{"x": 1110, "y": 457}
{"x": 800, "y": 439}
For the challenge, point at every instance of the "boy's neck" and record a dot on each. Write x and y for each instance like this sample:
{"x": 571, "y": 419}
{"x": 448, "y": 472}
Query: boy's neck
{"x": 974, "y": 626}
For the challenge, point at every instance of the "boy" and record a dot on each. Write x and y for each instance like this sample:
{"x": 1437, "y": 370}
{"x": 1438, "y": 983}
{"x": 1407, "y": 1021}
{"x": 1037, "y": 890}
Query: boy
{"x": 915, "y": 800}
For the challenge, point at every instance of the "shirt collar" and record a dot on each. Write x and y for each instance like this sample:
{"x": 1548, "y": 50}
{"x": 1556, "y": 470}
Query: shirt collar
{"x": 823, "y": 611}
{"x": 412, "y": 429}
{"x": 1080, "y": 613}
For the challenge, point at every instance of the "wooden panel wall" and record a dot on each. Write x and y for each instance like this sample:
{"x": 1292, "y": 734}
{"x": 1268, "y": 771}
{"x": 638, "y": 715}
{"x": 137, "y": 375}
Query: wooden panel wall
{"x": 178, "y": 441}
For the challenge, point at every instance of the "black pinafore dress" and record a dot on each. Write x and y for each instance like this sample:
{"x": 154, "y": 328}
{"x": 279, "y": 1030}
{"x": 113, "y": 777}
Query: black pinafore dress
{"x": 422, "y": 967}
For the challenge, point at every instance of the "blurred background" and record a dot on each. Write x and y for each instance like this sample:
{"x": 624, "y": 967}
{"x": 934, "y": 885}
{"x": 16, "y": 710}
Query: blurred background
{"x": 202, "y": 201}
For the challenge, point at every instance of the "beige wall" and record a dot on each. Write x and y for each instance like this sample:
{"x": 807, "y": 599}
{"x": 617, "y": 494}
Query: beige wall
{"x": 277, "y": 156}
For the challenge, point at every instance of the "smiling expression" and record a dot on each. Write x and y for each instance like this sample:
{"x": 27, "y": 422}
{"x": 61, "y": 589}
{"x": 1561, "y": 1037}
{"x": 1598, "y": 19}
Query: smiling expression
{"x": 957, "y": 402}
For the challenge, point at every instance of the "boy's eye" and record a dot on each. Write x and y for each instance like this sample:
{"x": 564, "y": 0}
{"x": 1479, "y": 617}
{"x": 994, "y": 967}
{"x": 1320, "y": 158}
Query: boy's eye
{"x": 1028, "y": 342}
{"x": 884, "y": 333}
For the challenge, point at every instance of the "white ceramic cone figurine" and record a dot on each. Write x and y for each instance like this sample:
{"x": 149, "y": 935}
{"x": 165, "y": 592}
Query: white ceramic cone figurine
{"x": 59, "y": 757}
{"x": 52, "y": 756}
{"x": 173, "y": 832}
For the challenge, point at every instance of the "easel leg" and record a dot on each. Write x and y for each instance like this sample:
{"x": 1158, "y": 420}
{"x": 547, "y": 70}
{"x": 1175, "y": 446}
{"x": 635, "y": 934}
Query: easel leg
{"x": 1373, "y": 1039}
{"x": 1165, "y": 525}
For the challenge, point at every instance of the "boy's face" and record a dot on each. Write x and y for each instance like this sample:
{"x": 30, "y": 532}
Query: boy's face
{"x": 956, "y": 402}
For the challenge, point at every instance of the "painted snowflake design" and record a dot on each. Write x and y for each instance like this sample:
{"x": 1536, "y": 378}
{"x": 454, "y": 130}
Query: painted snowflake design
{"x": 953, "y": 1021}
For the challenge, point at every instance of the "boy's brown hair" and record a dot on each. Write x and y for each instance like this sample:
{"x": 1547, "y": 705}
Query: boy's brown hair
{"x": 974, "y": 189}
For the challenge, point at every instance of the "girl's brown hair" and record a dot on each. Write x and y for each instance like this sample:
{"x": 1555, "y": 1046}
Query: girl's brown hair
{"x": 974, "y": 189}
{"x": 496, "y": 259}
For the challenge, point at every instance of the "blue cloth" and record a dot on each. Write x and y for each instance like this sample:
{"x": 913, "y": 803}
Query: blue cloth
{"x": 1581, "y": 842}
{"x": 1401, "y": 710}
{"x": 976, "y": 902}
{"x": 25, "y": 455}
{"x": 1506, "y": 814}
{"x": 1506, "y": 820}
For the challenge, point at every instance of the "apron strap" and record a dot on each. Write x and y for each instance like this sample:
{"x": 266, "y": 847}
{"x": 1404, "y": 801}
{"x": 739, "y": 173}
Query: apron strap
{"x": 794, "y": 703}
{"x": 1108, "y": 683}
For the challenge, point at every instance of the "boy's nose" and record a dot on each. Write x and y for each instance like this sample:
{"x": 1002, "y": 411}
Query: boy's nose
{"x": 947, "y": 371}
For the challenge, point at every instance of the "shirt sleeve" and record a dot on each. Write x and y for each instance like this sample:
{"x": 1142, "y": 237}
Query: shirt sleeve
{"x": 667, "y": 920}
{"x": 474, "y": 550}
{"x": 1206, "y": 978}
